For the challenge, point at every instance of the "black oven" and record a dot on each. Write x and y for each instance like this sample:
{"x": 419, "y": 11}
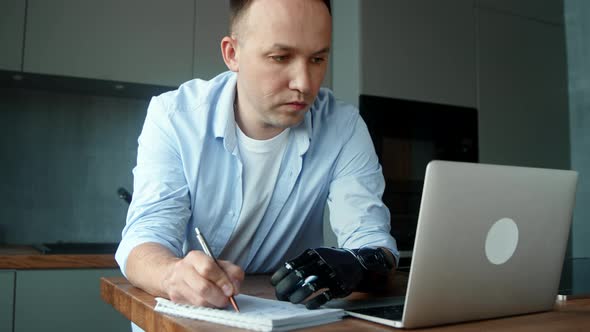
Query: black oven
{"x": 407, "y": 135}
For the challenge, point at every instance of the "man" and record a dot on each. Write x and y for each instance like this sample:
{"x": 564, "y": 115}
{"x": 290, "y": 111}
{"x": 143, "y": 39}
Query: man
{"x": 251, "y": 158}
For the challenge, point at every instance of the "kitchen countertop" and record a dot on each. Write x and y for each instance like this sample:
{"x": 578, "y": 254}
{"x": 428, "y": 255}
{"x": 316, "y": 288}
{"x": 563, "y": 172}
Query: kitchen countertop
{"x": 19, "y": 257}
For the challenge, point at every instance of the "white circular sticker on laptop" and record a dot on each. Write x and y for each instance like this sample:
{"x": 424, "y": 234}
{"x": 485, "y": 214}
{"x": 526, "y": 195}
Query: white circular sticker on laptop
{"x": 501, "y": 241}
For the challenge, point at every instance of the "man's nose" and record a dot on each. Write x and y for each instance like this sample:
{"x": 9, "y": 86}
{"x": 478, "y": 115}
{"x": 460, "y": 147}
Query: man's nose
{"x": 301, "y": 78}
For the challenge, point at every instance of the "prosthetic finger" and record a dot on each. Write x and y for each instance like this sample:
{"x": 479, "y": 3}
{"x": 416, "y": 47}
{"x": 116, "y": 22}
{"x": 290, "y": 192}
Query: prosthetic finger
{"x": 305, "y": 258}
{"x": 319, "y": 300}
{"x": 292, "y": 281}
{"x": 285, "y": 288}
{"x": 280, "y": 274}
{"x": 309, "y": 286}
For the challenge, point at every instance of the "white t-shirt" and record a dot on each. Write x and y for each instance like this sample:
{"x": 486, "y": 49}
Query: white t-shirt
{"x": 261, "y": 160}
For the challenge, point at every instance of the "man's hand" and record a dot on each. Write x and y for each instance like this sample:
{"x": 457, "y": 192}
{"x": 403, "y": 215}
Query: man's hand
{"x": 335, "y": 271}
{"x": 194, "y": 279}
{"x": 197, "y": 279}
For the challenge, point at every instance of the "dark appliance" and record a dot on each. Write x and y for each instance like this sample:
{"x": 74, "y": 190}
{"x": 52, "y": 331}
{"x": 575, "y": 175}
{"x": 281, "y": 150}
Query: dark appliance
{"x": 407, "y": 135}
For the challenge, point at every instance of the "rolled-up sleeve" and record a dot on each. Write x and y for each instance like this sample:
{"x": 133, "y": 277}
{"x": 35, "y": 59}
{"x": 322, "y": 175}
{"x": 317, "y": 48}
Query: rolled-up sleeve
{"x": 358, "y": 215}
{"x": 160, "y": 208}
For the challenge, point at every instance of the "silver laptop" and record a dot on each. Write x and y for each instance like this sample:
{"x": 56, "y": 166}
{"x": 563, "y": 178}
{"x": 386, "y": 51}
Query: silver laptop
{"x": 490, "y": 242}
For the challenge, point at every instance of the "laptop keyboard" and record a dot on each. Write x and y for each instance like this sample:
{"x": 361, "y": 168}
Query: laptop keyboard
{"x": 393, "y": 312}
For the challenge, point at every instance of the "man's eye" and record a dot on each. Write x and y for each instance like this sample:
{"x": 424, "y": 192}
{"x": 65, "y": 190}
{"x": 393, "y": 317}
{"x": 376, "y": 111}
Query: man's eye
{"x": 279, "y": 58}
{"x": 318, "y": 60}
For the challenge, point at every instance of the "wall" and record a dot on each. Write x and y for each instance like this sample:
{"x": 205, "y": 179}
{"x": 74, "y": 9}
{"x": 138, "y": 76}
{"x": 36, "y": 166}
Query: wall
{"x": 577, "y": 18}
{"x": 63, "y": 158}
{"x": 522, "y": 88}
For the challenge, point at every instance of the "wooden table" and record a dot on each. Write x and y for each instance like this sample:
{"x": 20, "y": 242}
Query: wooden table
{"x": 138, "y": 306}
{"x": 27, "y": 258}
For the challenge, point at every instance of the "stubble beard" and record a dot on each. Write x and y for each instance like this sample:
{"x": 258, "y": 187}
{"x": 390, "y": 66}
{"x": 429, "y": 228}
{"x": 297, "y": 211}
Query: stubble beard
{"x": 277, "y": 118}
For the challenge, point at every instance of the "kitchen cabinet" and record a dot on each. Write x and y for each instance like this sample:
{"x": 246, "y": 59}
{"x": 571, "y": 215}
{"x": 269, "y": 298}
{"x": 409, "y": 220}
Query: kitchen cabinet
{"x": 550, "y": 11}
{"x": 12, "y": 26}
{"x": 64, "y": 300}
{"x": 522, "y": 82}
{"x": 6, "y": 299}
{"x": 419, "y": 50}
{"x": 140, "y": 41}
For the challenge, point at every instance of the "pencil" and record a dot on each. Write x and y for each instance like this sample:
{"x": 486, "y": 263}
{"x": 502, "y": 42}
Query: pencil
{"x": 206, "y": 249}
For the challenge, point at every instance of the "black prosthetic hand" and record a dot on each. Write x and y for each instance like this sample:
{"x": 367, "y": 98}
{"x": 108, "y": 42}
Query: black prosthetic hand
{"x": 336, "y": 271}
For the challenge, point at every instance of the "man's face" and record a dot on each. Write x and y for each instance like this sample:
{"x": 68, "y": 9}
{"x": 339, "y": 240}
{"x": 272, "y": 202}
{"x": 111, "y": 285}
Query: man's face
{"x": 282, "y": 55}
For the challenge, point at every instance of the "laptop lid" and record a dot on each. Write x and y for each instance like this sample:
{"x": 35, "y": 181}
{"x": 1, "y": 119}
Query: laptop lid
{"x": 490, "y": 242}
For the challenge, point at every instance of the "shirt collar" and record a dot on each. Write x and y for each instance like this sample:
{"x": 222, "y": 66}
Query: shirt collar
{"x": 225, "y": 123}
{"x": 303, "y": 131}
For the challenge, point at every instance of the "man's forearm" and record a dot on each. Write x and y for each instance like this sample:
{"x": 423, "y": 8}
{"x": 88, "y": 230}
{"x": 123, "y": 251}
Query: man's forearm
{"x": 147, "y": 266}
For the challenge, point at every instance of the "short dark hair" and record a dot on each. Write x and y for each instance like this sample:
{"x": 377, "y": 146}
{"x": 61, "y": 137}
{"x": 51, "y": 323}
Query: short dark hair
{"x": 238, "y": 7}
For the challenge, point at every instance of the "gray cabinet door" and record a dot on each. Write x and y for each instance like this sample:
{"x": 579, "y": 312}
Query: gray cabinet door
{"x": 142, "y": 41}
{"x": 64, "y": 300}
{"x": 522, "y": 83}
{"x": 6, "y": 300}
{"x": 547, "y": 10}
{"x": 12, "y": 26}
{"x": 419, "y": 50}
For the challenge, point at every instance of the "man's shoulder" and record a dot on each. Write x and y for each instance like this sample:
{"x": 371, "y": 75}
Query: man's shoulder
{"x": 332, "y": 111}
{"x": 195, "y": 93}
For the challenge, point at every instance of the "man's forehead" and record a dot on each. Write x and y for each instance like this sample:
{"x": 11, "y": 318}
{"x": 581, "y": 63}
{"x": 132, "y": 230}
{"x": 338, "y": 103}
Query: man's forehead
{"x": 290, "y": 48}
{"x": 286, "y": 8}
{"x": 267, "y": 2}
{"x": 280, "y": 16}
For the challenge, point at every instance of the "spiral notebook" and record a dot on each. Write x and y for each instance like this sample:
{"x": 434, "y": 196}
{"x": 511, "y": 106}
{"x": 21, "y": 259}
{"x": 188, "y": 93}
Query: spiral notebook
{"x": 256, "y": 314}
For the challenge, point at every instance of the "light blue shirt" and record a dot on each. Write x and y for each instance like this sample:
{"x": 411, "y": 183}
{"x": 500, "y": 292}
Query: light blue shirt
{"x": 189, "y": 174}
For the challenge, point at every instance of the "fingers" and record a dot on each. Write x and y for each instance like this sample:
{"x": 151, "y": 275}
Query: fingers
{"x": 307, "y": 274}
{"x": 197, "y": 292}
{"x": 207, "y": 268}
{"x": 305, "y": 258}
{"x": 235, "y": 274}
{"x": 284, "y": 288}
{"x": 197, "y": 279}
{"x": 280, "y": 274}
{"x": 296, "y": 279}
{"x": 309, "y": 286}
{"x": 319, "y": 300}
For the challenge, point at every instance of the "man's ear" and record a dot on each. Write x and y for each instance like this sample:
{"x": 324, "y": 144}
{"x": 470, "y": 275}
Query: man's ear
{"x": 229, "y": 50}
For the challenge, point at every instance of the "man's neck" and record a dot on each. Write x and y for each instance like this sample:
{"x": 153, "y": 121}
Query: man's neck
{"x": 260, "y": 135}
{"x": 253, "y": 130}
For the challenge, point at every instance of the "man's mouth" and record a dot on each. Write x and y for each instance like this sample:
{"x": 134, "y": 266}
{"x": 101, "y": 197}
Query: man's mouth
{"x": 297, "y": 105}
